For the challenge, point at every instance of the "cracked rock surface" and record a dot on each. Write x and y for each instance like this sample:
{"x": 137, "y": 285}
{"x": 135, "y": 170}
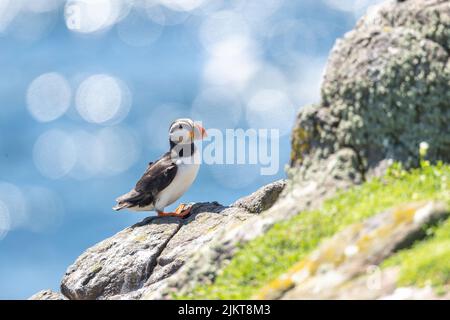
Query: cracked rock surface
{"x": 121, "y": 263}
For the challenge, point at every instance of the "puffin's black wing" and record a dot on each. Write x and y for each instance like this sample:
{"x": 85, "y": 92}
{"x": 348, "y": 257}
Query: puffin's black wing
{"x": 156, "y": 178}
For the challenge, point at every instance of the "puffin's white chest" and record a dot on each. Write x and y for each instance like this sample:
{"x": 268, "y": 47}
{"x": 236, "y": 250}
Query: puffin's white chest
{"x": 186, "y": 174}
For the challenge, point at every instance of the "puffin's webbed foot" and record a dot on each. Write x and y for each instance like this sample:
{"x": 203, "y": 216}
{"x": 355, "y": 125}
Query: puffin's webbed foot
{"x": 182, "y": 211}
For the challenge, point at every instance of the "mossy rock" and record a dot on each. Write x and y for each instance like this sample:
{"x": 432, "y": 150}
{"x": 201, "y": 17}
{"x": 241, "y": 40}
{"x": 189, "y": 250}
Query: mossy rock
{"x": 386, "y": 89}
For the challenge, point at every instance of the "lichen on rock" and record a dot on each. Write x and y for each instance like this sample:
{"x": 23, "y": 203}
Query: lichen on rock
{"x": 385, "y": 90}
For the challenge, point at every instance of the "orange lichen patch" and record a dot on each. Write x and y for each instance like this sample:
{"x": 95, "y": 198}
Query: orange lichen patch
{"x": 306, "y": 264}
{"x": 331, "y": 255}
{"x": 365, "y": 241}
{"x": 300, "y": 145}
{"x": 400, "y": 215}
{"x": 141, "y": 238}
{"x": 275, "y": 288}
{"x": 301, "y": 271}
{"x": 285, "y": 282}
{"x": 333, "y": 252}
{"x": 405, "y": 213}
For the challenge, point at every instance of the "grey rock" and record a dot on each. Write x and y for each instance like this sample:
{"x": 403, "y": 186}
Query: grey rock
{"x": 261, "y": 199}
{"x": 140, "y": 258}
{"x": 201, "y": 230}
{"x": 121, "y": 263}
{"x": 431, "y": 18}
{"x": 385, "y": 90}
{"x": 47, "y": 295}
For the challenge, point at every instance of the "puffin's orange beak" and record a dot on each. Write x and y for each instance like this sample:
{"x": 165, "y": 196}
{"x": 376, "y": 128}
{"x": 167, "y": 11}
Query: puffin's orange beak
{"x": 203, "y": 131}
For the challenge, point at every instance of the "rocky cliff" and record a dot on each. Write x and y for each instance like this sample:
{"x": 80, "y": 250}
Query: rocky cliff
{"x": 385, "y": 90}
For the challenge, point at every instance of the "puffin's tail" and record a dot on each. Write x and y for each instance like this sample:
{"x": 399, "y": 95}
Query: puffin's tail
{"x": 120, "y": 206}
{"x": 124, "y": 201}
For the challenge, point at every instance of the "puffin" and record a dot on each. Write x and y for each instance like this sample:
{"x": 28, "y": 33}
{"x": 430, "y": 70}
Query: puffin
{"x": 169, "y": 177}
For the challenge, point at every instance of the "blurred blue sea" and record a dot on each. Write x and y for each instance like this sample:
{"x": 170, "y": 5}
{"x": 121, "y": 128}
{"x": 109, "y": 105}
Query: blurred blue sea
{"x": 88, "y": 89}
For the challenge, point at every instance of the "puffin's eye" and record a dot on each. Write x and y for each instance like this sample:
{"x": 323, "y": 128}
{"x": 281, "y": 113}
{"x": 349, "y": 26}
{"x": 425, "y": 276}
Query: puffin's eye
{"x": 180, "y": 127}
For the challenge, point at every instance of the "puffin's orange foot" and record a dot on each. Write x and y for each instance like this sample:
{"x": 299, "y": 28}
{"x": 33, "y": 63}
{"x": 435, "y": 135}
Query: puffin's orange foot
{"x": 167, "y": 214}
{"x": 182, "y": 211}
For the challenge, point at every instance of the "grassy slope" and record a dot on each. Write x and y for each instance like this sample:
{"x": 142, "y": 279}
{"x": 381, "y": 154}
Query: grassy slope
{"x": 268, "y": 256}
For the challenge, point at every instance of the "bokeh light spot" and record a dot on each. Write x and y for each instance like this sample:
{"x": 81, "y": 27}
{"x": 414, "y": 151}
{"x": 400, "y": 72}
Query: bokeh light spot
{"x": 45, "y": 209}
{"x": 48, "y": 97}
{"x": 220, "y": 26}
{"x": 163, "y": 15}
{"x": 232, "y": 62}
{"x": 89, "y": 16}
{"x": 8, "y": 11}
{"x": 137, "y": 30}
{"x": 41, "y": 6}
{"x": 90, "y": 156}
{"x": 14, "y": 200}
{"x": 119, "y": 149}
{"x": 54, "y": 154}
{"x": 257, "y": 10}
{"x": 217, "y": 108}
{"x": 5, "y": 220}
{"x": 103, "y": 99}
{"x": 182, "y": 5}
{"x": 271, "y": 109}
{"x": 357, "y": 7}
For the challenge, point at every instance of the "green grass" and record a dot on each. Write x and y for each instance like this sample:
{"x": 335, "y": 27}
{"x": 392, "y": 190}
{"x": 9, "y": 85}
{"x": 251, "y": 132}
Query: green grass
{"x": 272, "y": 254}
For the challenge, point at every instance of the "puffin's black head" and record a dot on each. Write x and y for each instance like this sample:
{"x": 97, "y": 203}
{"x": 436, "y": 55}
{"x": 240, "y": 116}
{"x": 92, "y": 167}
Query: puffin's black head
{"x": 185, "y": 131}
